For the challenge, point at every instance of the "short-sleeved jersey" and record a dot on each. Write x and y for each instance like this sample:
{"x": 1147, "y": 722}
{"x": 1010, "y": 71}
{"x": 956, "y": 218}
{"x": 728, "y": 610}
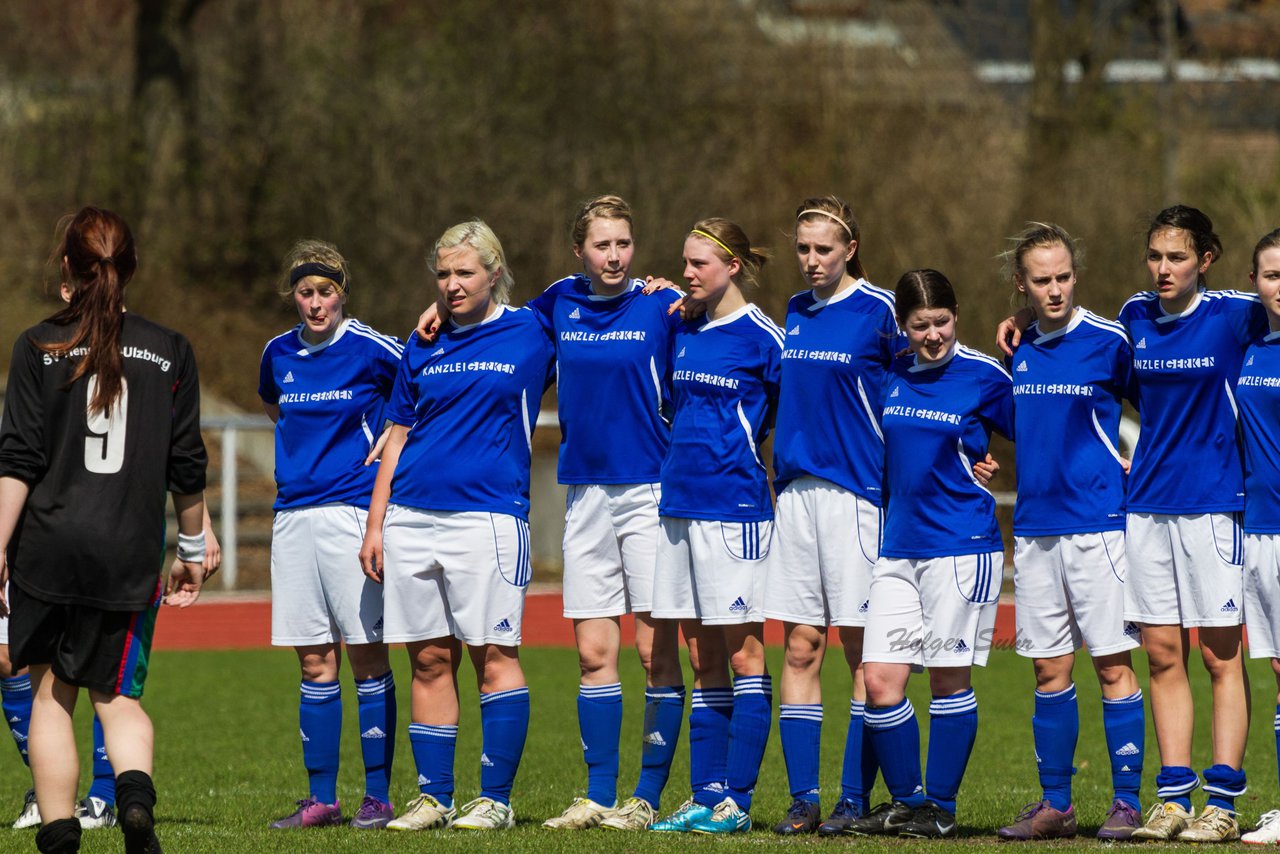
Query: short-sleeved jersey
{"x": 331, "y": 397}
{"x": 1068, "y": 386}
{"x": 1188, "y": 457}
{"x": 725, "y": 389}
{"x": 613, "y": 367}
{"x": 92, "y": 530}
{"x": 833, "y": 368}
{"x": 937, "y": 422}
{"x": 1258, "y": 395}
{"x": 471, "y": 401}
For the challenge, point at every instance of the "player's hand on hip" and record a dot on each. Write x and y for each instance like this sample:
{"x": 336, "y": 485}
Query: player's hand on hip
{"x": 371, "y": 555}
{"x": 986, "y": 469}
{"x": 183, "y": 585}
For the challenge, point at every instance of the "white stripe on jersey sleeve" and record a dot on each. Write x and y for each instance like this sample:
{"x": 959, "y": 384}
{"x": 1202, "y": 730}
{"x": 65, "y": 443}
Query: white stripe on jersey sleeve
{"x": 881, "y": 294}
{"x": 976, "y": 356}
{"x": 1141, "y": 296}
{"x": 764, "y": 322}
{"x": 1106, "y": 441}
{"x": 1232, "y": 294}
{"x": 385, "y": 341}
{"x": 1102, "y": 323}
{"x": 866, "y": 405}
{"x": 746, "y": 428}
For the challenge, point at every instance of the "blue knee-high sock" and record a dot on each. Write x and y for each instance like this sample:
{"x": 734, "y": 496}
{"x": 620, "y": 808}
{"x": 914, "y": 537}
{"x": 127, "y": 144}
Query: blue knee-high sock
{"x": 433, "y": 748}
{"x": 748, "y": 735}
{"x": 953, "y": 725}
{"x": 600, "y": 727}
{"x": 1175, "y": 783}
{"x": 1124, "y": 722}
{"x": 104, "y": 777}
{"x": 800, "y": 728}
{"x": 15, "y": 701}
{"x": 663, "y": 716}
{"x": 709, "y": 716}
{"x": 1055, "y": 728}
{"x": 376, "y": 706}
{"x": 858, "y": 773}
{"x": 504, "y": 719}
{"x": 895, "y": 733}
{"x": 320, "y": 721}
{"x": 1223, "y": 784}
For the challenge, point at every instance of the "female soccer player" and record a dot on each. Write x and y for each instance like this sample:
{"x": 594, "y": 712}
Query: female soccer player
{"x": 841, "y": 337}
{"x": 448, "y": 531}
{"x": 1071, "y": 372}
{"x": 1258, "y": 396}
{"x": 325, "y": 384}
{"x": 102, "y": 417}
{"x": 935, "y": 588}
{"x": 717, "y": 523}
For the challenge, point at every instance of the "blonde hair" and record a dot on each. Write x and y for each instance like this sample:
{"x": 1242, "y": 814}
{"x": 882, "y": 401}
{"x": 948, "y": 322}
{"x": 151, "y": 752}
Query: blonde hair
{"x": 834, "y": 209}
{"x": 1038, "y": 235}
{"x": 311, "y": 251}
{"x": 601, "y": 207}
{"x": 729, "y": 241}
{"x": 480, "y": 237}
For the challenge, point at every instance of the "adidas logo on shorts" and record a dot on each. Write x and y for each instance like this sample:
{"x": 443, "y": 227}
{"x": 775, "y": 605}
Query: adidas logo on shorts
{"x": 377, "y": 627}
{"x": 960, "y": 646}
{"x": 1131, "y": 630}
{"x": 1022, "y": 367}
{"x": 1128, "y": 750}
{"x": 795, "y": 330}
{"x": 864, "y": 607}
{"x": 655, "y": 738}
{"x": 288, "y": 377}
{"x": 1230, "y": 607}
{"x": 504, "y": 626}
{"x": 575, "y": 314}
{"x": 485, "y": 760}
{"x": 1142, "y": 345}
{"x": 373, "y": 732}
{"x": 738, "y": 606}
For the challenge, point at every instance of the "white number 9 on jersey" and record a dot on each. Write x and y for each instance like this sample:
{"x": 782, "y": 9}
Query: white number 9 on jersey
{"x": 104, "y": 446}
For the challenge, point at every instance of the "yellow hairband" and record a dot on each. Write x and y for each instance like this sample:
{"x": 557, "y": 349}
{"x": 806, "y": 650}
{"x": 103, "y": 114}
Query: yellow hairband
{"x": 828, "y": 215}
{"x": 713, "y": 239}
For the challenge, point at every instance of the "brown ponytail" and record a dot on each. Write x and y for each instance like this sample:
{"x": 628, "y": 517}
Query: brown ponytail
{"x": 98, "y": 260}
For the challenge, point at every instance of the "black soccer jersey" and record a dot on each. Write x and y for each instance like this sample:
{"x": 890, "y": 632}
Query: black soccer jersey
{"x": 92, "y": 531}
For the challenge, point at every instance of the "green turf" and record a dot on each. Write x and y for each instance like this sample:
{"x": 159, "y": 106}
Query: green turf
{"x": 228, "y": 759}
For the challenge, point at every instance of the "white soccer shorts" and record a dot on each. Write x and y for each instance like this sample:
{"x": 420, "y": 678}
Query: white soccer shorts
{"x": 713, "y": 572}
{"x": 1262, "y": 594}
{"x": 828, "y": 540}
{"x": 318, "y": 593}
{"x": 934, "y": 612}
{"x": 610, "y": 548}
{"x": 1184, "y": 570}
{"x": 454, "y": 573}
{"x": 1069, "y": 591}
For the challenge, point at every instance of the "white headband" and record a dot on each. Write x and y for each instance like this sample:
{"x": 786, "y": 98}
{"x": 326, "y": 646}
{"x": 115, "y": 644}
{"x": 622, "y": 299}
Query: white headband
{"x": 828, "y": 215}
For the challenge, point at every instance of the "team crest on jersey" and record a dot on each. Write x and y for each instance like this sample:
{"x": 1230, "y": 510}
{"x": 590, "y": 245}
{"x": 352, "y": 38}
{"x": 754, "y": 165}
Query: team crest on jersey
{"x": 288, "y": 377}
{"x": 1022, "y": 367}
{"x": 1142, "y": 345}
{"x": 575, "y": 314}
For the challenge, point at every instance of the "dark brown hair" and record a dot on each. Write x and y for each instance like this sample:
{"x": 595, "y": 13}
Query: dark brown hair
{"x": 98, "y": 259}
{"x": 1268, "y": 241}
{"x": 1196, "y": 224}
{"x": 923, "y": 289}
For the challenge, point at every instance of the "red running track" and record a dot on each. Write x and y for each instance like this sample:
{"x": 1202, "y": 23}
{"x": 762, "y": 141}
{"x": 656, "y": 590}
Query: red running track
{"x": 245, "y": 623}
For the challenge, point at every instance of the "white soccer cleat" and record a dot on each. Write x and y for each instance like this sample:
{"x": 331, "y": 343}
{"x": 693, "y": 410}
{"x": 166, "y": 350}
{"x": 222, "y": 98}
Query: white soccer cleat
{"x": 485, "y": 814}
{"x": 94, "y": 813}
{"x": 1267, "y": 832}
{"x": 30, "y": 814}
{"x": 424, "y": 813}
{"x": 1214, "y": 824}
{"x": 1164, "y": 822}
{"x": 634, "y": 814}
{"x": 582, "y": 814}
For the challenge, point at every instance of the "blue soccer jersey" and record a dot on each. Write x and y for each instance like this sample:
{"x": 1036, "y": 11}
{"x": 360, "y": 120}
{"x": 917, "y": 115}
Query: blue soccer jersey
{"x": 331, "y": 397}
{"x": 1067, "y": 390}
{"x": 613, "y": 364}
{"x": 1258, "y": 395}
{"x": 471, "y": 401}
{"x": 937, "y": 422}
{"x": 1188, "y": 458}
{"x": 833, "y": 368}
{"x": 725, "y": 390}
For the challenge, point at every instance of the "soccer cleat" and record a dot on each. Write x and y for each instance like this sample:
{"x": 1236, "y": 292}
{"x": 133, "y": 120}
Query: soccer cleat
{"x": 29, "y": 816}
{"x": 634, "y": 814}
{"x": 929, "y": 822}
{"x": 485, "y": 814}
{"x": 310, "y": 813}
{"x": 681, "y": 821}
{"x": 582, "y": 814}
{"x": 1164, "y": 823}
{"x": 885, "y": 819}
{"x": 1122, "y": 820}
{"x": 1267, "y": 832}
{"x": 1040, "y": 821}
{"x": 803, "y": 817}
{"x": 1214, "y": 824}
{"x": 845, "y": 813}
{"x": 373, "y": 814}
{"x": 424, "y": 813}
{"x": 95, "y": 812}
{"x": 728, "y": 817}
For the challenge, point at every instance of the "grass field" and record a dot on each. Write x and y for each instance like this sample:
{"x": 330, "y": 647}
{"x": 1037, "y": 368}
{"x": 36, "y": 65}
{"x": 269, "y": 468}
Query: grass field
{"x": 228, "y": 760}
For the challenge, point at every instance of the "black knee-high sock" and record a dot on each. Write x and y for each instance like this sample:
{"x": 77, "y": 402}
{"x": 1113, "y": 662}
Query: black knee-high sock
{"x": 59, "y": 837}
{"x": 135, "y": 804}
